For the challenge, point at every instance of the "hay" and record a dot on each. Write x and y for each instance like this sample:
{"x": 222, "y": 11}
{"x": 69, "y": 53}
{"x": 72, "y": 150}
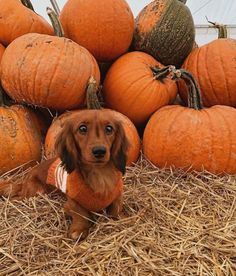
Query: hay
{"x": 173, "y": 224}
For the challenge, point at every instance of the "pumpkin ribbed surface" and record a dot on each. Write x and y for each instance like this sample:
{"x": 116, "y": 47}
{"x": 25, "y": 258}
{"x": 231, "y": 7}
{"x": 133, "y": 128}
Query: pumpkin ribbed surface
{"x": 214, "y": 67}
{"x": 20, "y": 138}
{"x": 104, "y": 27}
{"x": 165, "y": 30}
{"x": 17, "y": 20}
{"x": 185, "y": 138}
{"x": 130, "y": 87}
{"x": 47, "y": 71}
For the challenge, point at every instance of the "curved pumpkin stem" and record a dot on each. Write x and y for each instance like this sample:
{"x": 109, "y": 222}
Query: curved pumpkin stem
{"x": 194, "y": 93}
{"x": 55, "y": 7}
{"x": 91, "y": 95}
{"x": 55, "y": 22}
{"x": 222, "y": 30}
{"x": 160, "y": 74}
{"x": 28, "y": 4}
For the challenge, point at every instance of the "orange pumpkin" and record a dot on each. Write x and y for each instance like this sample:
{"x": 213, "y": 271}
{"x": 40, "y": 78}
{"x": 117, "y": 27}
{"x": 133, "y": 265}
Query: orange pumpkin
{"x": 192, "y": 138}
{"x": 165, "y": 30}
{"x": 214, "y": 67}
{"x": 104, "y": 27}
{"x": 17, "y": 19}
{"x": 20, "y": 138}
{"x": 134, "y": 86}
{"x": 47, "y": 71}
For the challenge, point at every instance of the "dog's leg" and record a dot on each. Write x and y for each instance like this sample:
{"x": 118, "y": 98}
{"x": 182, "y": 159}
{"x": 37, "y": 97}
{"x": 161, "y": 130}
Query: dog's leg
{"x": 80, "y": 219}
{"x": 115, "y": 208}
{"x": 33, "y": 186}
{"x": 35, "y": 181}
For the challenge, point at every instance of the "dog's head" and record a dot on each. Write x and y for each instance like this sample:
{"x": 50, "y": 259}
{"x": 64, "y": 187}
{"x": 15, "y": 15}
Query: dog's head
{"x": 92, "y": 137}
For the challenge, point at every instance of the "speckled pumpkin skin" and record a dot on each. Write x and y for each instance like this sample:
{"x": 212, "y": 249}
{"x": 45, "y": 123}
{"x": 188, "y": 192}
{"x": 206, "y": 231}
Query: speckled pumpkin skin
{"x": 20, "y": 138}
{"x": 165, "y": 30}
{"x": 17, "y": 20}
{"x": 47, "y": 71}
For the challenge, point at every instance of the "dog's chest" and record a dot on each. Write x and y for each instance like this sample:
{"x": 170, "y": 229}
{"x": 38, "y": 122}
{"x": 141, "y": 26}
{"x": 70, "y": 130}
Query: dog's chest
{"x": 96, "y": 196}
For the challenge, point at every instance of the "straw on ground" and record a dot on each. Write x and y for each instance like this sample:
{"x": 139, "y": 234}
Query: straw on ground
{"x": 173, "y": 224}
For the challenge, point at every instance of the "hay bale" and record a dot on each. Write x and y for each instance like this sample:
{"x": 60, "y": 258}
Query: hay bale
{"x": 173, "y": 224}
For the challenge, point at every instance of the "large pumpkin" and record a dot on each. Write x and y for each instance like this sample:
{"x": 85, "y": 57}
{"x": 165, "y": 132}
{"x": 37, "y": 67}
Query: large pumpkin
{"x": 214, "y": 67}
{"x": 192, "y": 138}
{"x": 20, "y": 138}
{"x": 129, "y": 128}
{"x": 17, "y": 19}
{"x": 104, "y": 27}
{"x": 165, "y": 30}
{"x": 47, "y": 71}
{"x": 134, "y": 86}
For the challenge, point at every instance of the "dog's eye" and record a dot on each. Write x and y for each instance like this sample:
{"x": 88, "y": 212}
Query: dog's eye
{"x": 109, "y": 129}
{"x": 83, "y": 129}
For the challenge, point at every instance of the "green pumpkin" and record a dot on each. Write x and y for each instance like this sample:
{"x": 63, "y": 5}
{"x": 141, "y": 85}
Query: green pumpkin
{"x": 165, "y": 30}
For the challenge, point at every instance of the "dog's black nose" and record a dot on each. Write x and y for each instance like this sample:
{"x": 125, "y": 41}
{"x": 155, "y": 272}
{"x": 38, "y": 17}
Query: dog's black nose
{"x": 99, "y": 151}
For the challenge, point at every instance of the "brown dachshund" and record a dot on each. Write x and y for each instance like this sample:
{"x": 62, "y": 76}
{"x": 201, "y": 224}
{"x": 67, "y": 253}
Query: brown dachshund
{"x": 92, "y": 147}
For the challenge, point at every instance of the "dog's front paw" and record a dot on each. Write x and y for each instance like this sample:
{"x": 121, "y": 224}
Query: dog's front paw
{"x": 80, "y": 234}
{"x": 114, "y": 211}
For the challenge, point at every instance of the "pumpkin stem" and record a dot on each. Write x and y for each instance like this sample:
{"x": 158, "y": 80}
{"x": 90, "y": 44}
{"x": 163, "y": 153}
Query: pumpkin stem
{"x": 194, "y": 93}
{"x": 222, "y": 30}
{"x": 55, "y": 22}
{"x": 91, "y": 94}
{"x": 55, "y": 7}
{"x": 28, "y": 4}
{"x": 160, "y": 74}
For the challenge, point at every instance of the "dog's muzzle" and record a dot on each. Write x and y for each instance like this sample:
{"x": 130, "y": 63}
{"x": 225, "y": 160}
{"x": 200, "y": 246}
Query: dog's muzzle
{"x": 99, "y": 152}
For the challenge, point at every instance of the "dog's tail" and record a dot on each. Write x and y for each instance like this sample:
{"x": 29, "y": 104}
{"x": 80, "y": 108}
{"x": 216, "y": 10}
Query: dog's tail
{"x": 10, "y": 188}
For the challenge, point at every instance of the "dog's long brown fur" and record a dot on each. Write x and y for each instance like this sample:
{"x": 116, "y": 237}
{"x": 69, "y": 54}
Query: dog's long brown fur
{"x": 96, "y": 143}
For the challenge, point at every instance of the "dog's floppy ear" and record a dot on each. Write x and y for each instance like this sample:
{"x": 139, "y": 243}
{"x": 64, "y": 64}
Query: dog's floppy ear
{"x": 67, "y": 148}
{"x": 119, "y": 149}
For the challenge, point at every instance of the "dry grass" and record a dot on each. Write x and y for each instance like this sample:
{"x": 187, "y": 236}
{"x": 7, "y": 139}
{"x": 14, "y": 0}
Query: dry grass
{"x": 174, "y": 224}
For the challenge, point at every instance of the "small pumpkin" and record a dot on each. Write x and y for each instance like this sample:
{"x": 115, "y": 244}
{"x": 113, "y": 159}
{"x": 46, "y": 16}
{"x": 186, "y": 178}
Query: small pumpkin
{"x": 134, "y": 86}
{"x": 165, "y": 30}
{"x": 104, "y": 27}
{"x": 47, "y": 71}
{"x": 16, "y": 19}
{"x": 193, "y": 137}
{"x": 214, "y": 67}
{"x": 129, "y": 128}
{"x": 20, "y": 137}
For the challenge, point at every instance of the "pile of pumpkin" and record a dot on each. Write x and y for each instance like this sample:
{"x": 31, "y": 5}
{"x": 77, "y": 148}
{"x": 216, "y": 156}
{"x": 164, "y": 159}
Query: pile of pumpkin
{"x": 139, "y": 65}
